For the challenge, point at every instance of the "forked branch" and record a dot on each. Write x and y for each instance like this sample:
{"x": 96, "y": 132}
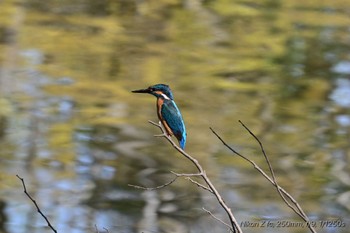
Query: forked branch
{"x": 234, "y": 226}
{"x": 286, "y": 197}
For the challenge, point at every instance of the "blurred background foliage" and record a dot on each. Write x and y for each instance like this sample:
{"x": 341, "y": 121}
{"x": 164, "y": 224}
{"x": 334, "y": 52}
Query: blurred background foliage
{"x": 70, "y": 126}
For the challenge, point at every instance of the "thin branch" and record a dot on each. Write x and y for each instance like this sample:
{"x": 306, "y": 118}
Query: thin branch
{"x": 199, "y": 184}
{"x": 188, "y": 177}
{"x": 186, "y": 174}
{"x": 154, "y": 188}
{"x": 272, "y": 171}
{"x": 155, "y": 124}
{"x": 283, "y": 194}
{"x": 261, "y": 172}
{"x": 300, "y": 211}
{"x": 97, "y": 231}
{"x": 235, "y": 226}
{"x": 36, "y": 205}
{"x": 217, "y": 219}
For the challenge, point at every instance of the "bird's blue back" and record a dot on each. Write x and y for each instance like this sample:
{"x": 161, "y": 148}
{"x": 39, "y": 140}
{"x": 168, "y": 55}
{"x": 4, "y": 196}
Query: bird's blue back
{"x": 173, "y": 118}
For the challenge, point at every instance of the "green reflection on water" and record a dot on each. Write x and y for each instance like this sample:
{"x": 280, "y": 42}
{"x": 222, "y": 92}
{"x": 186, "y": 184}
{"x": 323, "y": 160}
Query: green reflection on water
{"x": 67, "y": 69}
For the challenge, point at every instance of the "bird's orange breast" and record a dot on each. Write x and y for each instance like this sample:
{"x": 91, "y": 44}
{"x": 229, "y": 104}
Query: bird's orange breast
{"x": 160, "y": 102}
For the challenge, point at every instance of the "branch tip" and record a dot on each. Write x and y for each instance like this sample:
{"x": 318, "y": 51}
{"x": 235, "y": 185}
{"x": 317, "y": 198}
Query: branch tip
{"x": 36, "y": 205}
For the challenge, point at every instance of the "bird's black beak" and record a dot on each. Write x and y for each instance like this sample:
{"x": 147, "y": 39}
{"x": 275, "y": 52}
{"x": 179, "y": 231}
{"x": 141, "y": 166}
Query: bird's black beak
{"x": 142, "y": 91}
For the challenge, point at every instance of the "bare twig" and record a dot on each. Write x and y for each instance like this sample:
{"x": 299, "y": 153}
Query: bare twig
{"x": 283, "y": 194}
{"x": 186, "y": 174}
{"x": 300, "y": 212}
{"x": 216, "y": 218}
{"x": 97, "y": 231}
{"x": 199, "y": 184}
{"x": 188, "y": 177}
{"x": 36, "y": 205}
{"x": 235, "y": 226}
{"x": 154, "y": 188}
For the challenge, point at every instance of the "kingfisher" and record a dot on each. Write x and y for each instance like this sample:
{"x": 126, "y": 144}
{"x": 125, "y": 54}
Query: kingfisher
{"x": 168, "y": 113}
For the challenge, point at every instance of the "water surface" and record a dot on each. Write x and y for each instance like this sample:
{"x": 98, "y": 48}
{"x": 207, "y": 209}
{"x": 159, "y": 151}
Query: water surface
{"x": 70, "y": 126}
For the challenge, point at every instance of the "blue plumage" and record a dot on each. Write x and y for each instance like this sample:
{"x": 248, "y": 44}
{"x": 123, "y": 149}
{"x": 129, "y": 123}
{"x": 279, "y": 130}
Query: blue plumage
{"x": 168, "y": 113}
{"x": 173, "y": 118}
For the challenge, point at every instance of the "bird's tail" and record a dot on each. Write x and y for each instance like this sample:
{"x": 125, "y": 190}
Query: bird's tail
{"x": 182, "y": 143}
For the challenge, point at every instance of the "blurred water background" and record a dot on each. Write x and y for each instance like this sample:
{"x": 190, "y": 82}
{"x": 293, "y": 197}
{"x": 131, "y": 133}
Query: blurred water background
{"x": 71, "y": 128}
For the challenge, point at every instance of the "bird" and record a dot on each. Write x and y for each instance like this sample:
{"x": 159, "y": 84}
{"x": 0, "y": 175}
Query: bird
{"x": 168, "y": 113}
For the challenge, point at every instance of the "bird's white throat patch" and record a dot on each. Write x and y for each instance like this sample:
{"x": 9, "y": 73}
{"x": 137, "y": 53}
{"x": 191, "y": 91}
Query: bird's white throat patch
{"x": 165, "y": 96}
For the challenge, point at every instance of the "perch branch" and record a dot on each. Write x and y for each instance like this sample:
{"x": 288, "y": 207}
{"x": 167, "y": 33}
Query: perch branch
{"x": 235, "y": 226}
{"x": 36, "y": 205}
